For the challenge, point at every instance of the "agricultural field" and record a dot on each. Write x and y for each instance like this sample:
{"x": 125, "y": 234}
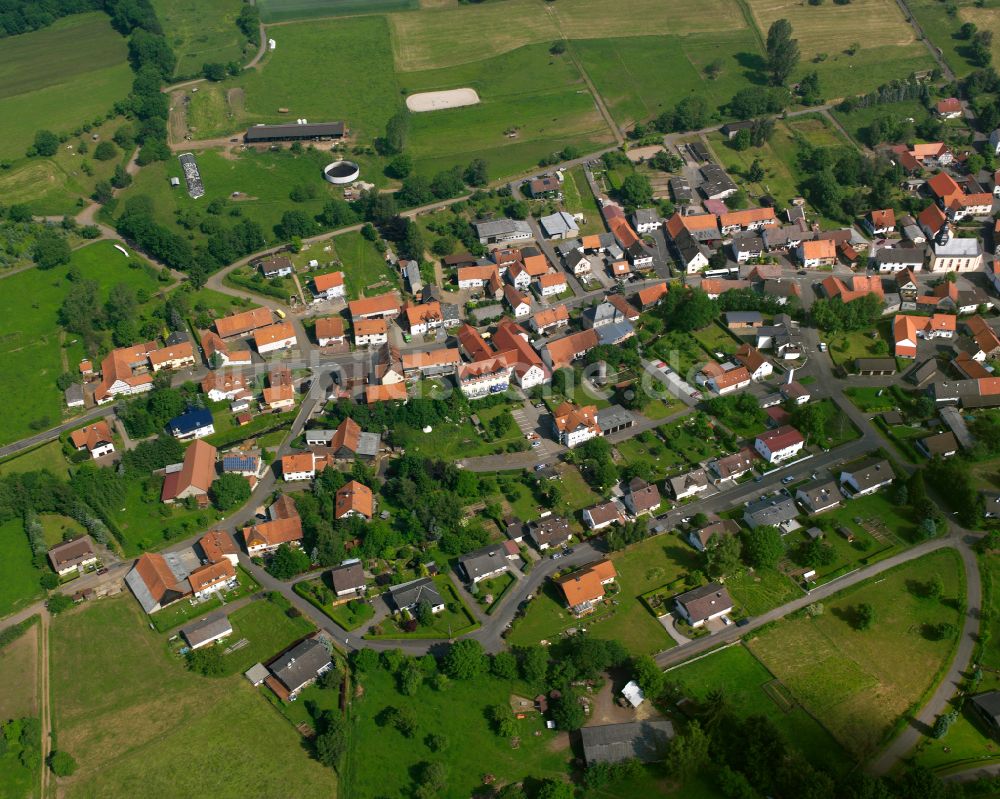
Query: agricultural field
{"x": 59, "y": 78}
{"x": 138, "y": 722}
{"x": 200, "y": 31}
{"x": 33, "y": 352}
{"x": 448, "y": 36}
{"x": 458, "y": 713}
{"x": 334, "y": 50}
{"x": 287, "y": 10}
{"x": 748, "y": 688}
{"x": 839, "y": 673}
{"x": 826, "y": 32}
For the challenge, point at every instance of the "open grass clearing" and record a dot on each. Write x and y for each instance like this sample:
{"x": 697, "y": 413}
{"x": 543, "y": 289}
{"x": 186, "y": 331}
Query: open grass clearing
{"x": 742, "y": 678}
{"x": 201, "y": 31}
{"x": 19, "y": 667}
{"x": 457, "y": 712}
{"x": 858, "y": 121}
{"x": 48, "y": 456}
{"x": 640, "y": 77}
{"x": 57, "y": 185}
{"x": 759, "y": 591}
{"x": 841, "y": 675}
{"x": 59, "y": 78}
{"x": 269, "y": 630}
{"x": 132, "y": 716}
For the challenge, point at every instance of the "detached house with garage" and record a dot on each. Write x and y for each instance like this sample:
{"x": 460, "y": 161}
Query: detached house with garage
{"x": 779, "y": 444}
{"x": 71, "y": 556}
{"x": 406, "y": 596}
{"x": 867, "y": 477}
{"x": 298, "y": 668}
{"x": 585, "y": 587}
{"x": 603, "y": 515}
{"x": 95, "y": 438}
{"x": 704, "y": 604}
{"x": 485, "y": 563}
{"x": 330, "y": 286}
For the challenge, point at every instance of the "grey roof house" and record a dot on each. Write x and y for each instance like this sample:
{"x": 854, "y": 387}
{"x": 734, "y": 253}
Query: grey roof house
{"x": 484, "y": 563}
{"x": 407, "y": 596}
{"x": 300, "y": 666}
{"x": 642, "y": 740}
{"x": 777, "y": 510}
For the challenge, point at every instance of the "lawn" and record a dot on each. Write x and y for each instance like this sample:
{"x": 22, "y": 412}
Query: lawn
{"x": 269, "y": 630}
{"x": 184, "y": 611}
{"x": 354, "y": 57}
{"x": 201, "y": 31}
{"x": 762, "y": 590}
{"x": 871, "y": 399}
{"x": 455, "y": 620}
{"x": 840, "y": 674}
{"x": 873, "y": 509}
{"x": 844, "y": 348}
{"x": 138, "y": 722}
{"x": 494, "y": 588}
{"x": 458, "y": 713}
{"x": 349, "y": 615}
{"x": 579, "y": 199}
{"x": 641, "y": 568}
{"x": 48, "y": 456}
{"x": 541, "y": 99}
{"x": 60, "y": 78}
{"x": 715, "y": 338}
{"x": 365, "y": 270}
{"x": 58, "y": 528}
{"x": 649, "y": 449}
{"x": 31, "y": 353}
{"x": 147, "y": 524}
{"x": 838, "y": 428}
{"x": 742, "y": 678}
{"x": 19, "y": 585}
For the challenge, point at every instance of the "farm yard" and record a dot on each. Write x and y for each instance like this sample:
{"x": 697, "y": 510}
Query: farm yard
{"x": 839, "y": 673}
{"x": 200, "y": 31}
{"x": 134, "y": 718}
{"x": 59, "y": 78}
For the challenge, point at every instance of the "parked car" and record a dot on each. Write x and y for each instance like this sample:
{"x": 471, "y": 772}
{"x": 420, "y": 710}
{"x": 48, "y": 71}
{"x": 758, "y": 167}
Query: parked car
{"x": 822, "y": 346}
{"x": 536, "y": 444}
{"x": 787, "y": 479}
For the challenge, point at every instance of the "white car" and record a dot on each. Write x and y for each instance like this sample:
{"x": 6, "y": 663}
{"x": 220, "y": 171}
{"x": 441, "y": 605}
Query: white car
{"x": 822, "y": 346}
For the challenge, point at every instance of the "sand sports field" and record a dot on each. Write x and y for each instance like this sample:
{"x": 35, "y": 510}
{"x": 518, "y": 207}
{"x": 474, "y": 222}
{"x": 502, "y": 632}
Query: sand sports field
{"x": 435, "y": 101}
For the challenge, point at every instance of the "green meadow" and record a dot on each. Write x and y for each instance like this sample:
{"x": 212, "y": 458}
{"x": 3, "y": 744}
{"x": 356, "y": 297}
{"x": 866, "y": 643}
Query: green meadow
{"x": 59, "y": 78}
